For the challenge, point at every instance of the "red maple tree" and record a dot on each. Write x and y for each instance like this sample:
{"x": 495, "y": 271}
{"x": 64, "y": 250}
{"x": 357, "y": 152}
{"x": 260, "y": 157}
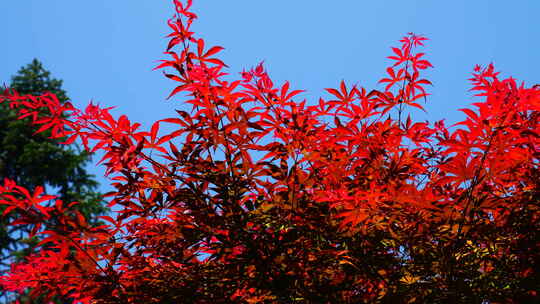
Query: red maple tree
{"x": 259, "y": 197}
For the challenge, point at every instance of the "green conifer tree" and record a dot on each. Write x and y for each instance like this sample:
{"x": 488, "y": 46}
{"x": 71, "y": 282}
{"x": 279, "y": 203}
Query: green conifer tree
{"x": 35, "y": 159}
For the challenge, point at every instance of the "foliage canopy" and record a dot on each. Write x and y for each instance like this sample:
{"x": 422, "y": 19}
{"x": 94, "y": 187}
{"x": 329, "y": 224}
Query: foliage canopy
{"x": 259, "y": 197}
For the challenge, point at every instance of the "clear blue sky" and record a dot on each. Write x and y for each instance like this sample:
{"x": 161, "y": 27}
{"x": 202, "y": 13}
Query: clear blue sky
{"x": 104, "y": 50}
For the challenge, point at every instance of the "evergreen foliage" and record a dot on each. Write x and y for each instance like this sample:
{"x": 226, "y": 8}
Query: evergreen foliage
{"x": 36, "y": 159}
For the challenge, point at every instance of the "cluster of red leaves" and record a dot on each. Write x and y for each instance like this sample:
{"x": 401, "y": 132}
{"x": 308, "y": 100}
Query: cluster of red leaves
{"x": 258, "y": 197}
